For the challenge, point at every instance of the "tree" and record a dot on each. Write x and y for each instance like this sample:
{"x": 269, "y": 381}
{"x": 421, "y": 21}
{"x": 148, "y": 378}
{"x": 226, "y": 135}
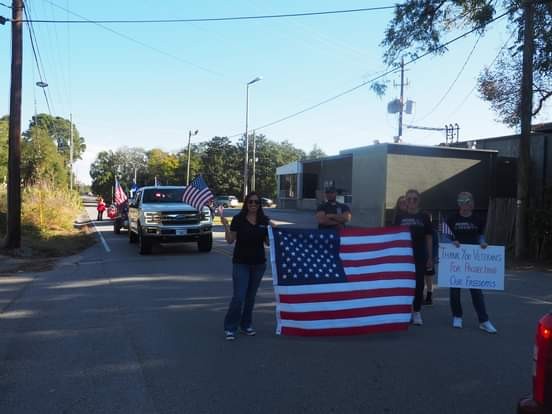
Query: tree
{"x": 40, "y": 160}
{"x": 60, "y": 130}
{"x": 4, "y": 148}
{"x": 315, "y": 153}
{"x": 164, "y": 166}
{"x": 223, "y": 166}
{"x": 420, "y": 25}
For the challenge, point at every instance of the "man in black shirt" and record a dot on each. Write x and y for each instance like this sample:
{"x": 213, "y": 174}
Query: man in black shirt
{"x": 332, "y": 214}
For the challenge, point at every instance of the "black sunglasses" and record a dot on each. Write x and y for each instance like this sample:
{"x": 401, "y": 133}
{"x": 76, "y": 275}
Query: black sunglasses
{"x": 254, "y": 202}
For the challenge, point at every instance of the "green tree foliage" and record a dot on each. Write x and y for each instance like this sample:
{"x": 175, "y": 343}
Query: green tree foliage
{"x": 222, "y": 166}
{"x": 218, "y": 160}
{"x": 40, "y": 160}
{"x": 60, "y": 130}
{"x": 315, "y": 153}
{"x": 419, "y": 26}
{"x": 3, "y": 148}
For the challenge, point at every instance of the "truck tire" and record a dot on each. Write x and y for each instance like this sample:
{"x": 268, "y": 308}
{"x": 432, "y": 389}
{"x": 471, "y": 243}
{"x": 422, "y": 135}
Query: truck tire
{"x": 132, "y": 237}
{"x": 144, "y": 243}
{"x": 205, "y": 243}
{"x": 117, "y": 226}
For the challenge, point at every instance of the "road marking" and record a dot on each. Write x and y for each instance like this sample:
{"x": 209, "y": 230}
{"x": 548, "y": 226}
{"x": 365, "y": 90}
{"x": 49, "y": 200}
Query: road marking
{"x": 106, "y": 247}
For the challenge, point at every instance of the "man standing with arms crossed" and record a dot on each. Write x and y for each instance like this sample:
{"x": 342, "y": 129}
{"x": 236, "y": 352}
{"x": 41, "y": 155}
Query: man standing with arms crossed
{"x": 332, "y": 214}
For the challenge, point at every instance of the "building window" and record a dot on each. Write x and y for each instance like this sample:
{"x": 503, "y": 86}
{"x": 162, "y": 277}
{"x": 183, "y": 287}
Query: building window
{"x": 288, "y": 186}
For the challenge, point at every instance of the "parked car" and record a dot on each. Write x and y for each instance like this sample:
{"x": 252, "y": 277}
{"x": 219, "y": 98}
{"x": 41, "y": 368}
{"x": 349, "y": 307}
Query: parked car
{"x": 267, "y": 202}
{"x": 226, "y": 201}
{"x": 540, "y": 402}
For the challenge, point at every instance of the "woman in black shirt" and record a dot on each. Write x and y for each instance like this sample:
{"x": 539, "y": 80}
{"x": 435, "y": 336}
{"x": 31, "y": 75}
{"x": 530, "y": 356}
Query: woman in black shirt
{"x": 422, "y": 240}
{"x": 249, "y": 229}
{"x": 468, "y": 229}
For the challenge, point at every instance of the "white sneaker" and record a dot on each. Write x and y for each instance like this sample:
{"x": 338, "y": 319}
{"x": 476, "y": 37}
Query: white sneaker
{"x": 417, "y": 318}
{"x": 488, "y": 327}
{"x": 457, "y": 322}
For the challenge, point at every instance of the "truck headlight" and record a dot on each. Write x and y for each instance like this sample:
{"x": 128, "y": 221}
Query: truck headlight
{"x": 206, "y": 214}
{"x": 152, "y": 218}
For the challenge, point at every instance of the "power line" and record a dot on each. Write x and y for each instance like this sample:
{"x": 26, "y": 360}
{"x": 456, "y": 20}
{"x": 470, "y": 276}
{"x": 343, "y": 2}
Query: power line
{"x": 138, "y": 42}
{"x": 354, "y": 88}
{"x": 5, "y": 5}
{"x": 36, "y": 55}
{"x": 454, "y": 81}
{"x": 220, "y": 19}
{"x": 476, "y": 84}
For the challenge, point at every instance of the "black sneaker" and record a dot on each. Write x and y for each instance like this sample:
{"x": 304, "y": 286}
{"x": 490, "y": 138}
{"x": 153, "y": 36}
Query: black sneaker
{"x": 229, "y": 335}
{"x": 429, "y": 299}
{"x": 248, "y": 331}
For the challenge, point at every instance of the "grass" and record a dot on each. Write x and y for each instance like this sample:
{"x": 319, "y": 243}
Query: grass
{"x": 47, "y": 223}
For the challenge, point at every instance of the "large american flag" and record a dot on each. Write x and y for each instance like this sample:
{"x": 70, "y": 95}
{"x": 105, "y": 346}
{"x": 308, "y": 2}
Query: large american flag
{"x": 342, "y": 282}
{"x": 197, "y": 194}
{"x": 120, "y": 195}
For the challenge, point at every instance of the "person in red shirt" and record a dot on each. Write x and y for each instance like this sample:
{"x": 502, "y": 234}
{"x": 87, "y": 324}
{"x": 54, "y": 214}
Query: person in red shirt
{"x": 101, "y": 208}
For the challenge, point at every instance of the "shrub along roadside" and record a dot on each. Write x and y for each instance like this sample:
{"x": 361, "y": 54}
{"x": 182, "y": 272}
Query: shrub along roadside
{"x": 47, "y": 222}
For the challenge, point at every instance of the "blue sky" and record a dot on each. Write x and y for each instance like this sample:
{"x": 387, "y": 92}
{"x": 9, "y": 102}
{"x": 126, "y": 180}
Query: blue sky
{"x": 125, "y": 94}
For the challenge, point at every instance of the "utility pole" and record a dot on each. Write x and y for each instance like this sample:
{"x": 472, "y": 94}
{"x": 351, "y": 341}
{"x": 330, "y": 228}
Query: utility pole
{"x": 71, "y": 154}
{"x": 526, "y": 114}
{"x": 13, "y": 233}
{"x": 401, "y": 108}
{"x": 254, "y": 162}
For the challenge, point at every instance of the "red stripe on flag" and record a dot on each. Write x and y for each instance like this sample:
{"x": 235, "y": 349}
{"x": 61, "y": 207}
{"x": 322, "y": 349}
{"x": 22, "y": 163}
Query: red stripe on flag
{"x": 355, "y": 248}
{"x": 381, "y": 276}
{"x": 376, "y": 231}
{"x": 345, "y": 313}
{"x": 357, "y": 330}
{"x": 377, "y": 261}
{"x": 355, "y": 294}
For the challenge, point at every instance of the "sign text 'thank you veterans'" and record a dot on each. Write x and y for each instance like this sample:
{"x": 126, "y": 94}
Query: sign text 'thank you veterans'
{"x": 471, "y": 267}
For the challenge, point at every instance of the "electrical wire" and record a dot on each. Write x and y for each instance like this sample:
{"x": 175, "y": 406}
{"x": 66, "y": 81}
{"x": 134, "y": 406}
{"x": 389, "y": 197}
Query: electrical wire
{"x": 438, "y": 104}
{"x": 5, "y": 5}
{"x": 476, "y": 84}
{"x": 219, "y": 19}
{"x": 138, "y": 42}
{"x": 37, "y": 61}
{"x": 389, "y": 72}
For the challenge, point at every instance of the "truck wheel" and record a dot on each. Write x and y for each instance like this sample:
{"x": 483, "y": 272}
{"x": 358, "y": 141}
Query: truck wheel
{"x": 205, "y": 243}
{"x": 117, "y": 227}
{"x": 144, "y": 243}
{"x": 132, "y": 237}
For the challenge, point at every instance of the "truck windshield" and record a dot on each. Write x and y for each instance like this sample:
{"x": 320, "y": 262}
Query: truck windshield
{"x": 165, "y": 195}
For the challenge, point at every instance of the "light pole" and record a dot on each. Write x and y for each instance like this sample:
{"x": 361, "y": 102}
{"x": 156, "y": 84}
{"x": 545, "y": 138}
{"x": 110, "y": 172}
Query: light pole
{"x": 254, "y": 162}
{"x": 246, "y": 163}
{"x": 190, "y": 134}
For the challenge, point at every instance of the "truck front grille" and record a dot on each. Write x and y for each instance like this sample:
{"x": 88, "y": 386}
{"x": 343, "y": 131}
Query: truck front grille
{"x": 177, "y": 218}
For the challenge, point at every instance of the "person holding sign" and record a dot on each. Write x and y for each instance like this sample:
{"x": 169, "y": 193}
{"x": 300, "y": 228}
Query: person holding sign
{"x": 422, "y": 245}
{"x": 468, "y": 229}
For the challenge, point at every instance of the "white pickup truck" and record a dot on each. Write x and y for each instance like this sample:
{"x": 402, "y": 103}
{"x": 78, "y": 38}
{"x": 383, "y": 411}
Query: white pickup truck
{"x": 158, "y": 215}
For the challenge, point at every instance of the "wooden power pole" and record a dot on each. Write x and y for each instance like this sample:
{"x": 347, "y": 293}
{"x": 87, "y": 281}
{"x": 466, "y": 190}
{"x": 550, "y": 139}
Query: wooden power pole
{"x": 526, "y": 114}
{"x": 13, "y": 233}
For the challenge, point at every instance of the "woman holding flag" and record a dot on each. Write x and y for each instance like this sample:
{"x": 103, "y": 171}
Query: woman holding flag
{"x": 249, "y": 229}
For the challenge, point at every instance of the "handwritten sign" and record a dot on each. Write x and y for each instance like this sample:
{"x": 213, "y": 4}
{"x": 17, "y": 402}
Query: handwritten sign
{"x": 471, "y": 267}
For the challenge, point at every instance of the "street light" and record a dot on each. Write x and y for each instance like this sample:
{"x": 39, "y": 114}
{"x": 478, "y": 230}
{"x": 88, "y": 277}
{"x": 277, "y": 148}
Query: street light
{"x": 246, "y": 164}
{"x": 190, "y": 134}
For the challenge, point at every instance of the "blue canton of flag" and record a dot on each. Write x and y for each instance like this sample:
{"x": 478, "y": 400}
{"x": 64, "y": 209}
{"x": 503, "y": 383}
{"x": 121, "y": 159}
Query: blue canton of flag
{"x": 308, "y": 257}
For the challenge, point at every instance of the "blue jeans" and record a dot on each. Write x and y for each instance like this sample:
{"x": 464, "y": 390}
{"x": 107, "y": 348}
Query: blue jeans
{"x": 477, "y": 300}
{"x": 246, "y": 280}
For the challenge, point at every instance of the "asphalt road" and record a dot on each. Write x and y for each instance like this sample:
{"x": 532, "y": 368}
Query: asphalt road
{"x": 116, "y": 332}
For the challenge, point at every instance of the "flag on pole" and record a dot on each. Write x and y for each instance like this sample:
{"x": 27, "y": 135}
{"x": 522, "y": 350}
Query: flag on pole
{"x": 120, "y": 195}
{"x": 342, "y": 282}
{"x": 445, "y": 233}
{"x": 197, "y": 194}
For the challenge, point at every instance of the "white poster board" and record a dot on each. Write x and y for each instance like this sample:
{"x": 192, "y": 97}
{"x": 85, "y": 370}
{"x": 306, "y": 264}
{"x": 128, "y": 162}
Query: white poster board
{"x": 471, "y": 267}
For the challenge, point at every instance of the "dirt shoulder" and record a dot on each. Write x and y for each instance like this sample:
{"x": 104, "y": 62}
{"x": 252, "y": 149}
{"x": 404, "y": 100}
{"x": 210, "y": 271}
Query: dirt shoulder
{"x": 39, "y": 253}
